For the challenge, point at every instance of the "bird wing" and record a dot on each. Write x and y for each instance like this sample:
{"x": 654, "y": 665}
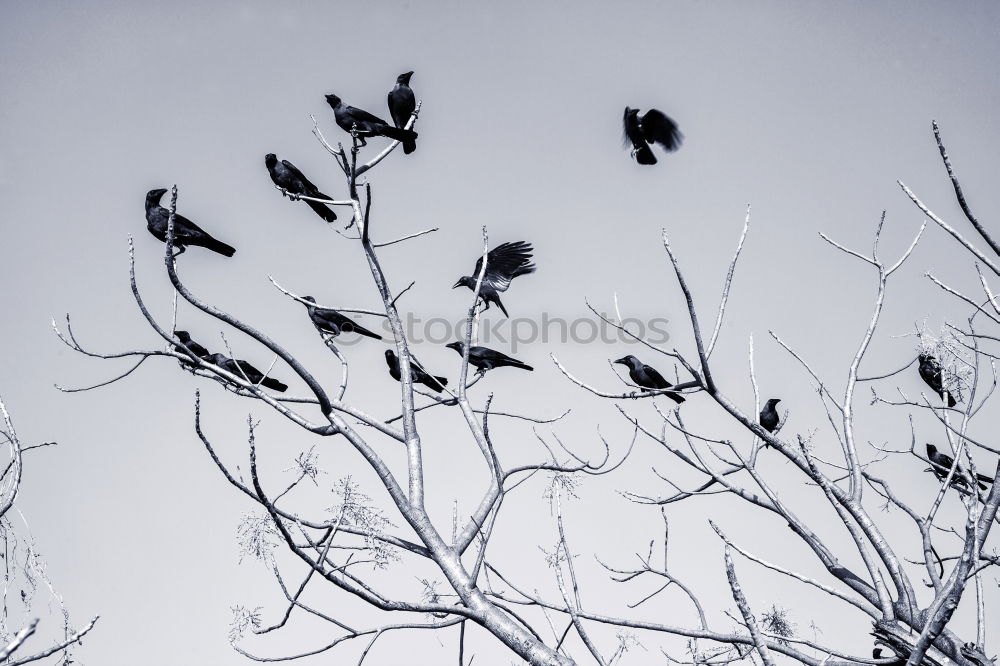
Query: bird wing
{"x": 658, "y": 127}
{"x": 362, "y": 116}
{"x": 631, "y": 134}
{"x": 504, "y": 263}
{"x": 657, "y": 378}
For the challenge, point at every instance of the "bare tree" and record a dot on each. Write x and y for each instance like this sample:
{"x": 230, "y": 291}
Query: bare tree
{"x": 836, "y": 463}
{"x": 345, "y": 548}
{"x": 26, "y": 585}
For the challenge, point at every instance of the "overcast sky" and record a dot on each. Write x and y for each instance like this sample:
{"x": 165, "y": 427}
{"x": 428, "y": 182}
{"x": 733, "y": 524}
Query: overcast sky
{"x": 808, "y": 111}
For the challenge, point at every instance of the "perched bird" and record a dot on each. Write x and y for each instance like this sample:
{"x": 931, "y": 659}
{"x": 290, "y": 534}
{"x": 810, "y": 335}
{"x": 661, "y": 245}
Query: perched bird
{"x": 484, "y": 358}
{"x": 284, "y": 174}
{"x": 330, "y": 321}
{"x": 192, "y": 346}
{"x": 367, "y": 124}
{"x": 186, "y": 232}
{"x": 930, "y": 372}
{"x": 647, "y": 377}
{"x": 941, "y": 464}
{"x": 401, "y": 106}
{"x": 503, "y": 263}
{"x": 769, "y": 415}
{"x": 877, "y": 654}
{"x": 420, "y": 376}
{"x": 653, "y": 127}
{"x": 244, "y": 370}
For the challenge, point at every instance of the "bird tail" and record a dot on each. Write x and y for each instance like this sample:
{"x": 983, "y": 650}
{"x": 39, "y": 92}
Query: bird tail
{"x": 322, "y": 210}
{"x": 404, "y": 135}
{"x": 523, "y": 366}
{"x": 644, "y": 155}
{"x": 502, "y": 308}
{"x": 274, "y": 384}
{"x": 951, "y": 398}
{"x": 675, "y": 397}
{"x": 361, "y": 330}
{"x": 218, "y": 246}
{"x": 440, "y": 382}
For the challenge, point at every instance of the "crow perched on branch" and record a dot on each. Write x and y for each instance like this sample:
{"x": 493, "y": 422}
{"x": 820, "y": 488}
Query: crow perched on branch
{"x": 193, "y": 346}
{"x": 941, "y": 463}
{"x": 930, "y": 372}
{"x": 244, "y": 370}
{"x": 285, "y": 175}
{"x": 484, "y": 358}
{"x": 420, "y": 376}
{"x": 401, "y": 106}
{"x": 503, "y": 263}
{"x": 330, "y": 321}
{"x": 653, "y": 127}
{"x": 647, "y": 377}
{"x": 367, "y": 124}
{"x": 769, "y": 415}
{"x": 186, "y": 232}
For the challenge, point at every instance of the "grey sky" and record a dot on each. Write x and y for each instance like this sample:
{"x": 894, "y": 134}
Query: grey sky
{"x": 809, "y": 111}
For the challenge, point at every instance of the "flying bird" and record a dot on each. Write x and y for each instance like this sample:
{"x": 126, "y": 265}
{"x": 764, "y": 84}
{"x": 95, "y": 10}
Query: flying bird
{"x": 401, "y": 106}
{"x": 244, "y": 370}
{"x": 503, "y": 263}
{"x": 367, "y": 124}
{"x": 484, "y": 358}
{"x": 769, "y": 415}
{"x": 186, "y": 232}
{"x": 930, "y": 372}
{"x": 285, "y": 175}
{"x": 652, "y": 127}
{"x": 192, "y": 346}
{"x": 646, "y": 377}
{"x": 330, "y": 321}
{"x": 941, "y": 464}
{"x": 420, "y": 376}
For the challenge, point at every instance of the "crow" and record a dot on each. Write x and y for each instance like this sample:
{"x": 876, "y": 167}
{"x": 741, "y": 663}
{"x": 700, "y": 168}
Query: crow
{"x": 244, "y": 370}
{"x": 330, "y": 321}
{"x": 401, "y": 106}
{"x": 186, "y": 232}
{"x": 930, "y": 372}
{"x": 420, "y": 376}
{"x": 192, "y": 346}
{"x": 484, "y": 358}
{"x": 769, "y": 415}
{"x": 653, "y": 127}
{"x": 367, "y": 124}
{"x": 941, "y": 464}
{"x": 284, "y": 174}
{"x": 503, "y": 263}
{"x": 647, "y": 377}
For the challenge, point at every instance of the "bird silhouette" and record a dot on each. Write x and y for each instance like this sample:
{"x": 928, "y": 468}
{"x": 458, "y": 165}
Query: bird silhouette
{"x": 930, "y": 372}
{"x": 330, "y": 321}
{"x": 503, "y": 263}
{"x": 417, "y": 372}
{"x": 366, "y": 123}
{"x": 186, "y": 232}
{"x": 652, "y": 127}
{"x": 401, "y": 105}
{"x": 647, "y": 377}
{"x": 285, "y": 175}
{"x": 484, "y": 358}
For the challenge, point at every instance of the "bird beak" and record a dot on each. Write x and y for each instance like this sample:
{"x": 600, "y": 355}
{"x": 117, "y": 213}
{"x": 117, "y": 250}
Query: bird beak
{"x": 622, "y": 361}
{"x": 457, "y": 285}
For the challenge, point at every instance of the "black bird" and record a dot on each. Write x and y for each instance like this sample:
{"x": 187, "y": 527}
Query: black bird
{"x": 368, "y": 124}
{"x": 284, "y": 174}
{"x": 484, "y": 358}
{"x": 193, "y": 346}
{"x": 941, "y": 463}
{"x": 330, "y": 321}
{"x": 877, "y": 654}
{"x": 769, "y": 415}
{"x": 244, "y": 370}
{"x": 647, "y": 377}
{"x": 653, "y": 127}
{"x": 186, "y": 232}
{"x": 420, "y": 376}
{"x": 503, "y": 263}
{"x": 401, "y": 106}
{"x": 930, "y": 372}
